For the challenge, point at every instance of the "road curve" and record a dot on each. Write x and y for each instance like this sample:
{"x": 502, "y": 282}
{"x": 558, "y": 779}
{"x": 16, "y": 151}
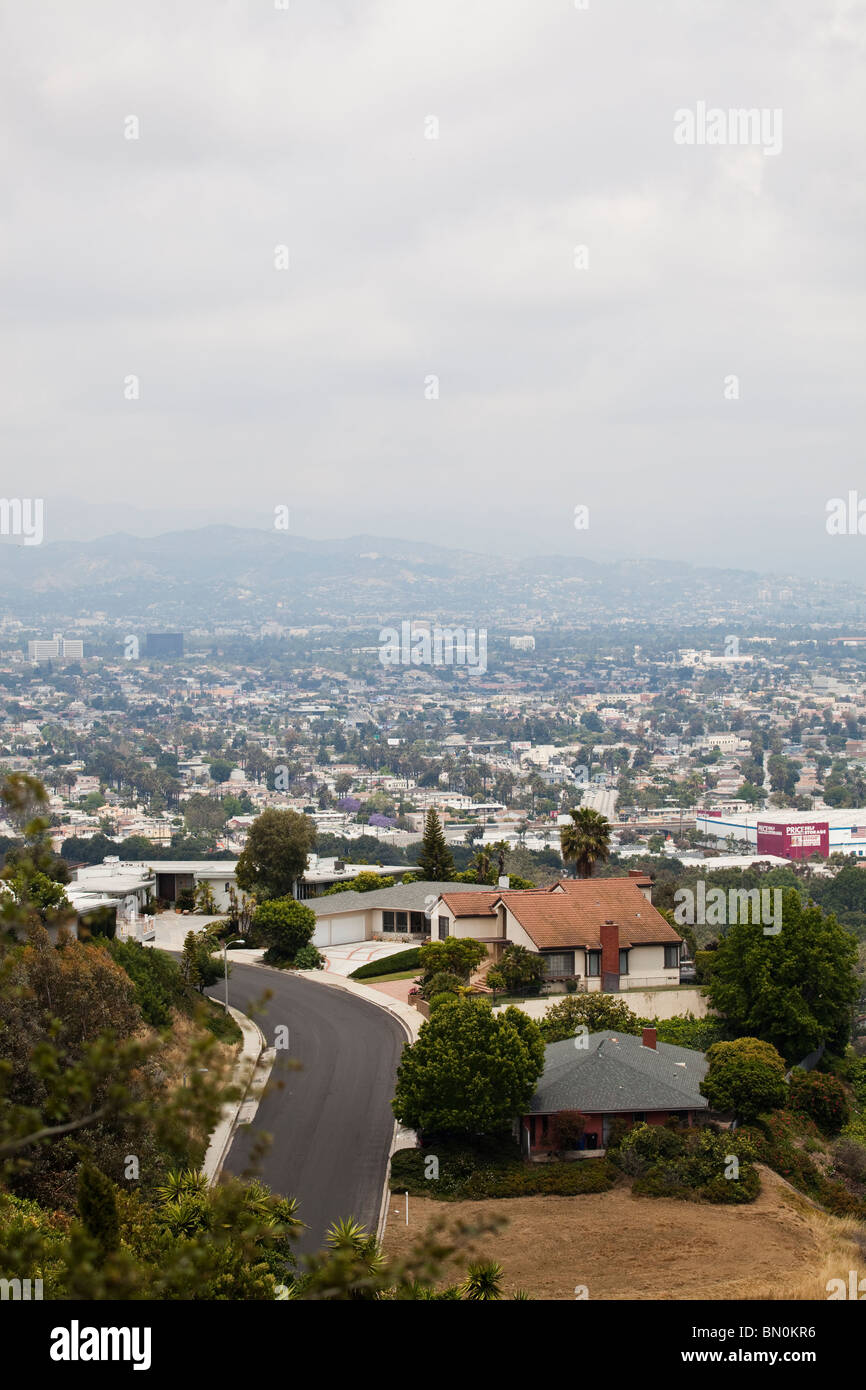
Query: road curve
{"x": 331, "y": 1122}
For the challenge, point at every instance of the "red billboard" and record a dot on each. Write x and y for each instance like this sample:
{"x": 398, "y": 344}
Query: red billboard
{"x": 798, "y": 841}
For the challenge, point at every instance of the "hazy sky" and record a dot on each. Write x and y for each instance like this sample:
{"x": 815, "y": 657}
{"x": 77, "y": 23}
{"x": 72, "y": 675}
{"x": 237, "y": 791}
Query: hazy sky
{"x": 601, "y": 384}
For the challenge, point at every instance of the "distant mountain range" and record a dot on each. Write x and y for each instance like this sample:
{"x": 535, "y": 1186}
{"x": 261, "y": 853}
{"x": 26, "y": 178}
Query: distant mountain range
{"x": 228, "y": 574}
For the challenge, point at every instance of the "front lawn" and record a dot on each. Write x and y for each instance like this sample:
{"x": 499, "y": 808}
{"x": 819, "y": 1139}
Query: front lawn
{"x": 397, "y": 975}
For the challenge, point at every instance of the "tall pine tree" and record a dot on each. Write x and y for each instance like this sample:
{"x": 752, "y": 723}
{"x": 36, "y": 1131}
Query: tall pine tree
{"x": 435, "y": 862}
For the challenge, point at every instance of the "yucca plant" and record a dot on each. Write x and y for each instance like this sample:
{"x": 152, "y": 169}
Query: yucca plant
{"x": 483, "y": 1282}
{"x": 186, "y": 1215}
{"x": 183, "y": 1182}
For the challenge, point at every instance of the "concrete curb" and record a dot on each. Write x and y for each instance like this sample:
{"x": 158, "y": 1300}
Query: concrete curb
{"x": 251, "y": 1073}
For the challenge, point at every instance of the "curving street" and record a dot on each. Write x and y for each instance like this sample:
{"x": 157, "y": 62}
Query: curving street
{"x": 331, "y": 1122}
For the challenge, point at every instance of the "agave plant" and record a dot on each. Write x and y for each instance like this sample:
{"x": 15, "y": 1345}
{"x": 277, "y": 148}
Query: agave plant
{"x": 352, "y": 1244}
{"x": 183, "y": 1182}
{"x": 483, "y": 1282}
{"x": 186, "y": 1215}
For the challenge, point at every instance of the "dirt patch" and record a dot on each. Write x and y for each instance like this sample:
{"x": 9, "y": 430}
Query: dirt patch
{"x": 625, "y": 1247}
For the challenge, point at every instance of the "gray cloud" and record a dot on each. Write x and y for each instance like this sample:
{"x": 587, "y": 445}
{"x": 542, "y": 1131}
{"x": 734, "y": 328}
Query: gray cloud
{"x": 452, "y": 257}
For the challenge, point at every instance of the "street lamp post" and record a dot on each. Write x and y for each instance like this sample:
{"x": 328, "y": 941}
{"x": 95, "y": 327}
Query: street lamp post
{"x": 226, "y": 945}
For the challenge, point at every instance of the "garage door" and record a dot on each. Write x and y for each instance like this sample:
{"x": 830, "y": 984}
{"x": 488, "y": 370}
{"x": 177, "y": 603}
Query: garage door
{"x": 339, "y": 930}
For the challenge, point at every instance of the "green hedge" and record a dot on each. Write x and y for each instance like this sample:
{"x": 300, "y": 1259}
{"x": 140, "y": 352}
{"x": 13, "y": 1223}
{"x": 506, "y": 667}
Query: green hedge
{"x": 475, "y": 1174}
{"x": 387, "y": 965}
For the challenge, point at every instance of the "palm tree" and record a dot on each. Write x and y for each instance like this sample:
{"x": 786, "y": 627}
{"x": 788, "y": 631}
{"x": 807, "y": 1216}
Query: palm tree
{"x": 481, "y": 865}
{"x": 586, "y": 841}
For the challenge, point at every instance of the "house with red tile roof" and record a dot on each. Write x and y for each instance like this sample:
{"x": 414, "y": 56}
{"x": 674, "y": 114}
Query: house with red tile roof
{"x": 603, "y": 932}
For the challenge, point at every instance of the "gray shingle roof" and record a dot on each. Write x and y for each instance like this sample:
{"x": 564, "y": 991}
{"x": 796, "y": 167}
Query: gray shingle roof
{"x": 615, "y": 1072}
{"x": 406, "y": 897}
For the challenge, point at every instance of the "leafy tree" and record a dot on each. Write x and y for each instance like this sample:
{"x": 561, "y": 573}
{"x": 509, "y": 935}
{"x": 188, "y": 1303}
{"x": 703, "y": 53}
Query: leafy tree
{"x": 586, "y": 841}
{"x": 275, "y": 854}
{"x": 458, "y": 954}
{"x": 597, "y": 1013}
{"x": 795, "y": 989}
{"x": 470, "y": 1070}
{"x": 199, "y": 964}
{"x": 435, "y": 862}
{"x": 220, "y": 769}
{"x": 746, "y": 1076}
{"x": 285, "y": 925}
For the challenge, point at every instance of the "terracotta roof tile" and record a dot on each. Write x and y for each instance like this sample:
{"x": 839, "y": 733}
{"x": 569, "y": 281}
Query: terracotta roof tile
{"x": 573, "y": 918}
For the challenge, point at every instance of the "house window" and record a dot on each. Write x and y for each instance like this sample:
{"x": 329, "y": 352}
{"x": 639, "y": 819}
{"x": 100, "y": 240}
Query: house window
{"x": 544, "y": 1126}
{"x": 443, "y": 928}
{"x": 558, "y": 963}
{"x": 418, "y": 921}
{"x": 402, "y": 921}
{"x": 593, "y": 963}
{"x": 672, "y": 957}
{"x": 623, "y": 962}
{"x": 387, "y": 921}
{"x": 639, "y": 1117}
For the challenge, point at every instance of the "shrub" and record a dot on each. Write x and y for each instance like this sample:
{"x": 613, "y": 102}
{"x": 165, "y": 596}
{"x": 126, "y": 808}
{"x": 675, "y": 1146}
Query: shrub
{"x": 849, "y": 1158}
{"x": 457, "y": 955}
{"x": 522, "y": 970}
{"x": 619, "y": 1128}
{"x": 444, "y": 997}
{"x": 821, "y": 1097}
{"x": 443, "y": 982}
{"x": 308, "y": 958}
{"x": 387, "y": 965}
{"x": 568, "y": 1129}
{"x": 493, "y": 1169}
{"x": 159, "y": 984}
{"x": 773, "y": 1137}
{"x": 746, "y": 1076}
{"x": 684, "y": 1030}
{"x": 185, "y": 900}
{"x": 690, "y": 1163}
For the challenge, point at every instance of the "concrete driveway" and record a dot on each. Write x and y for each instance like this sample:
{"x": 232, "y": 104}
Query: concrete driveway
{"x": 342, "y": 960}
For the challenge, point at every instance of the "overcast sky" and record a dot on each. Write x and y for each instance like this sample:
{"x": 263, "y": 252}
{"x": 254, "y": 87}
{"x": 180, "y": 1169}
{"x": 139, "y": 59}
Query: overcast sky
{"x": 454, "y": 257}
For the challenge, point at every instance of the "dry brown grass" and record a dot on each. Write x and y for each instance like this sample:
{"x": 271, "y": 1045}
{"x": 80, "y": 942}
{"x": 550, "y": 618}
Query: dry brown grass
{"x": 625, "y": 1247}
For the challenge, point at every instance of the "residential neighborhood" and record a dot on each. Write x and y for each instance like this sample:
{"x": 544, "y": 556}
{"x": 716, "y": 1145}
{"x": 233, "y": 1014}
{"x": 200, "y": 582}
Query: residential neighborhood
{"x": 432, "y": 681}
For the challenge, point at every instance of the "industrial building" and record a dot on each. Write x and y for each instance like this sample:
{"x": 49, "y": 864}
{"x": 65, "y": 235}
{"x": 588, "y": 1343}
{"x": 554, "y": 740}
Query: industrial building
{"x": 791, "y": 834}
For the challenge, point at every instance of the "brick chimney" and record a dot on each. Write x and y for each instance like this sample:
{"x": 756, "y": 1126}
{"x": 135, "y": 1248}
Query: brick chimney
{"x": 609, "y": 936}
{"x": 649, "y": 1037}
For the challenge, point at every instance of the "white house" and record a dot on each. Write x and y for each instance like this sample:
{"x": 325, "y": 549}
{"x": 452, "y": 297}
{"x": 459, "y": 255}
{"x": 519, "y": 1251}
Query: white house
{"x": 604, "y": 932}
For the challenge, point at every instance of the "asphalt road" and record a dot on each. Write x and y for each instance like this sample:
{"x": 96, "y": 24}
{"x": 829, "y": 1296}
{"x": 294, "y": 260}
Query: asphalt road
{"x": 331, "y": 1122}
